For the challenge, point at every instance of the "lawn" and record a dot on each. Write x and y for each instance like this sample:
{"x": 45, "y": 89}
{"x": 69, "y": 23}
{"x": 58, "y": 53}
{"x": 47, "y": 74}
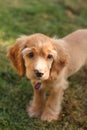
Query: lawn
{"x": 53, "y": 18}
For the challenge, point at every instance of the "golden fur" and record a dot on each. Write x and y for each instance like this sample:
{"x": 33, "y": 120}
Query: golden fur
{"x": 55, "y": 60}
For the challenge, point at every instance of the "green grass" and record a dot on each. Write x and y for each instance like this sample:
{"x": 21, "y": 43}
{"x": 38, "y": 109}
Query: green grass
{"x": 51, "y": 17}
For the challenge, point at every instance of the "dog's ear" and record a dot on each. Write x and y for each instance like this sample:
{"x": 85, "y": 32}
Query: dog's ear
{"x": 15, "y": 55}
{"x": 59, "y": 62}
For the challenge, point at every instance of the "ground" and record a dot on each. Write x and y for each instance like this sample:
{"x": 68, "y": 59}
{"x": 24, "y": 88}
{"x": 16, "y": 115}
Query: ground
{"x": 53, "y": 18}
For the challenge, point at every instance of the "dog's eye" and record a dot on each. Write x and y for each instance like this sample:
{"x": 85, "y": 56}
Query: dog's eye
{"x": 31, "y": 55}
{"x": 49, "y": 56}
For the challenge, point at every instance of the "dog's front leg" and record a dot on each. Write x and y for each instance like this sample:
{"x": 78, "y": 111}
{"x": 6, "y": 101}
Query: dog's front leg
{"x": 53, "y": 105}
{"x": 37, "y": 104}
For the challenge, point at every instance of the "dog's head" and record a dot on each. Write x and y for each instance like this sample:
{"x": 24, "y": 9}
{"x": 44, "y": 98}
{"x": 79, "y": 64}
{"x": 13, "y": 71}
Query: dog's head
{"x": 37, "y": 56}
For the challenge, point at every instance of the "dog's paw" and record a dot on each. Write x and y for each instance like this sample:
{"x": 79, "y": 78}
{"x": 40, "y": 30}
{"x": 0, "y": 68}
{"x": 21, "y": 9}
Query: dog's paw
{"x": 33, "y": 112}
{"x": 47, "y": 116}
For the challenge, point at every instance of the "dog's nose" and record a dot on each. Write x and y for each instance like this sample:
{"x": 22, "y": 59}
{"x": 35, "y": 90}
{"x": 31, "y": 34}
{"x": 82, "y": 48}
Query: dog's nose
{"x": 38, "y": 74}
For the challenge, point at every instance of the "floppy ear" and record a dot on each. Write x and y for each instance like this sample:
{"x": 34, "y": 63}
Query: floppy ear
{"x": 15, "y": 55}
{"x": 59, "y": 62}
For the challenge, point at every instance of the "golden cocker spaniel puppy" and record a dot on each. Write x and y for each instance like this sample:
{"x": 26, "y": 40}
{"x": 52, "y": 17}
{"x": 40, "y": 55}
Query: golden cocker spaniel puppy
{"x": 48, "y": 62}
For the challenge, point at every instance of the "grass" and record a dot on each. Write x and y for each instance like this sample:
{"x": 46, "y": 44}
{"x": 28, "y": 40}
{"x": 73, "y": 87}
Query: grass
{"x": 50, "y": 17}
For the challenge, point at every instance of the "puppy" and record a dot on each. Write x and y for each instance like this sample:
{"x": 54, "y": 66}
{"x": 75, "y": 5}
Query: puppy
{"x": 48, "y": 62}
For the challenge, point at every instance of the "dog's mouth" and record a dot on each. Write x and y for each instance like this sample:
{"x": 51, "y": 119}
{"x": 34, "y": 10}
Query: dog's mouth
{"x": 37, "y": 85}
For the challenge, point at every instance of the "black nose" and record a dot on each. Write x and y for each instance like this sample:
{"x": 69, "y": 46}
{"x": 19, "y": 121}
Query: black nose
{"x": 38, "y": 74}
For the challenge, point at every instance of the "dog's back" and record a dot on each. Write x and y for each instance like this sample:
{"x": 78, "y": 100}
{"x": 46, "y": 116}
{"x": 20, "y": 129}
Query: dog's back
{"x": 76, "y": 44}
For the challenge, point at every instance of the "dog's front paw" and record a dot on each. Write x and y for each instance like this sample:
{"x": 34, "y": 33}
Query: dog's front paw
{"x": 33, "y": 110}
{"x": 47, "y": 116}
